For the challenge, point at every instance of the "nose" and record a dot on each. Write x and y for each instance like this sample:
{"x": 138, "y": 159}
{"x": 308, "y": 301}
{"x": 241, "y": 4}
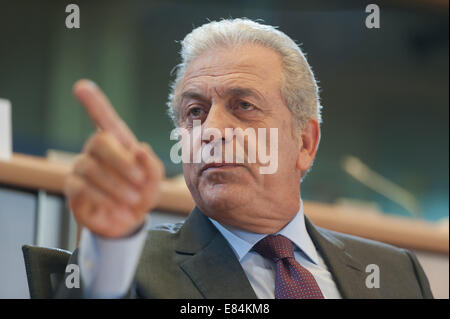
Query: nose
{"x": 218, "y": 120}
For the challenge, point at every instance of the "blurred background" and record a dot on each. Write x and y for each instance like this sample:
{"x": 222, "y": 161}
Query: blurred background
{"x": 384, "y": 91}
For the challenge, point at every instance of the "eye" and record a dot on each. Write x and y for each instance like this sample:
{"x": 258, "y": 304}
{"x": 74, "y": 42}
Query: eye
{"x": 195, "y": 112}
{"x": 246, "y": 106}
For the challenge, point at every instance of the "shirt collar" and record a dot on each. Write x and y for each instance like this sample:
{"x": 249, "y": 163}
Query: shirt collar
{"x": 242, "y": 241}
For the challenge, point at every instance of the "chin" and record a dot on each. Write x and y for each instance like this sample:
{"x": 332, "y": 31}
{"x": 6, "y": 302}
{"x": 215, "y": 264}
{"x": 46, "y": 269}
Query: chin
{"x": 222, "y": 197}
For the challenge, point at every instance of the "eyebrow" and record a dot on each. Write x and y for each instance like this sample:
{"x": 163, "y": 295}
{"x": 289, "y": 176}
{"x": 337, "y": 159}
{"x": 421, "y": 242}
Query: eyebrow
{"x": 233, "y": 91}
{"x": 193, "y": 95}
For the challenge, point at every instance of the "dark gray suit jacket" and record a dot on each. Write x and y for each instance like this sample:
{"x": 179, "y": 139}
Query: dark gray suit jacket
{"x": 193, "y": 260}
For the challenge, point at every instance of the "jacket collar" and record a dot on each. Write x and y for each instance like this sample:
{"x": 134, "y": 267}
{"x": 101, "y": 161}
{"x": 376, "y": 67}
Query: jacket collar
{"x": 215, "y": 270}
{"x": 210, "y": 262}
{"x": 347, "y": 271}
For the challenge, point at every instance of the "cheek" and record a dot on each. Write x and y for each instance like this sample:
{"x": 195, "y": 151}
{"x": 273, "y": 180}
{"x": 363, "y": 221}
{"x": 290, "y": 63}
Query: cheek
{"x": 288, "y": 147}
{"x": 286, "y": 140}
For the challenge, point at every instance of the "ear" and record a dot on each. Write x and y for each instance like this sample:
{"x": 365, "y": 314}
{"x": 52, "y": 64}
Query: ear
{"x": 309, "y": 139}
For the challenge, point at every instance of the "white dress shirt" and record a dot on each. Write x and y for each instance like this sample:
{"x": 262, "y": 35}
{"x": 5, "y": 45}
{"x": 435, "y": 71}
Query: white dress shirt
{"x": 261, "y": 271}
{"x": 108, "y": 266}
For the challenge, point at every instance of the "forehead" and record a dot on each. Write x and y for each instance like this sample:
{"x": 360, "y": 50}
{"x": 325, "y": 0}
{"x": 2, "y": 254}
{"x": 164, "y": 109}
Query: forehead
{"x": 248, "y": 65}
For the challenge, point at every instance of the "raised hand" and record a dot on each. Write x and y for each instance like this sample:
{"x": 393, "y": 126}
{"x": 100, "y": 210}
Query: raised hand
{"x": 116, "y": 180}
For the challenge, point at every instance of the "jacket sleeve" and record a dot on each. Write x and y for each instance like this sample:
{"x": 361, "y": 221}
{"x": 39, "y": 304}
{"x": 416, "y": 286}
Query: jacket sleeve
{"x": 62, "y": 292}
{"x": 105, "y": 268}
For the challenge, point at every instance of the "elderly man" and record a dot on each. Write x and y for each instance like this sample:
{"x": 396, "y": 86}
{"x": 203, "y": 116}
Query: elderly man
{"x": 248, "y": 236}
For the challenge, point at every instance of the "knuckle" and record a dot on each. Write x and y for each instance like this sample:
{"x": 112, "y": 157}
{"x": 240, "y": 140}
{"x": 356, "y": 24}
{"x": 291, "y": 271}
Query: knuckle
{"x": 78, "y": 162}
{"x": 73, "y": 187}
{"x": 147, "y": 147}
{"x": 147, "y": 150}
{"x": 88, "y": 145}
{"x": 117, "y": 190}
{"x": 152, "y": 158}
{"x": 90, "y": 167}
{"x": 96, "y": 141}
{"x": 85, "y": 166}
{"x": 99, "y": 138}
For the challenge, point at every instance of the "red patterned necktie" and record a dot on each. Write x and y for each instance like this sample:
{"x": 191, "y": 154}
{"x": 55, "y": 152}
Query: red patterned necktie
{"x": 292, "y": 280}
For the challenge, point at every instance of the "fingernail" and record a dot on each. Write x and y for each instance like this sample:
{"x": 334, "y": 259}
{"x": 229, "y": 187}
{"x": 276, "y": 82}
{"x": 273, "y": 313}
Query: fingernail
{"x": 91, "y": 84}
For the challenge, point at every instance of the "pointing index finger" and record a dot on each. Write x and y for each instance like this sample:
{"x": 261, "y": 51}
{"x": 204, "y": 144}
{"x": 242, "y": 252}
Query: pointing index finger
{"x": 102, "y": 113}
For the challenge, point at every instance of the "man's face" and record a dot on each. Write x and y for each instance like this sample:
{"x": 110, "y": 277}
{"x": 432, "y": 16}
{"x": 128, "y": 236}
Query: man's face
{"x": 241, "y": 88}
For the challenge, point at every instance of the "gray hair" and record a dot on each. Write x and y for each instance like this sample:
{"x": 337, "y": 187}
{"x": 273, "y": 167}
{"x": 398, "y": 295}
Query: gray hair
{"x": 299, "y": 87}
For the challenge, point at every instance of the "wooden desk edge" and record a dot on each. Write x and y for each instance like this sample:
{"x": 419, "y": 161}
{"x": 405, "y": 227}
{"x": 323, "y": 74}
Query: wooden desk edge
{"x": 39, "y": 173}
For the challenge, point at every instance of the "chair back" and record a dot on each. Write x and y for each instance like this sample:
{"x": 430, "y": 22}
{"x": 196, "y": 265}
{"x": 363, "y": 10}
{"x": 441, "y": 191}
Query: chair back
{"x": 45, "y": 268}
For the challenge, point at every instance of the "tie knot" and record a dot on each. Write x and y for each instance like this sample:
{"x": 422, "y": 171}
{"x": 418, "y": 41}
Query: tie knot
{"x": 275, "y": 247}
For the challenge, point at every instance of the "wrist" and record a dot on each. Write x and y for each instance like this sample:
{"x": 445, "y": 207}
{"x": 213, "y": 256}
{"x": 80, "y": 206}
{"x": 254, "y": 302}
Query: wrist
{"x": 126, "y": 235}
{"x": 136, "y": 230}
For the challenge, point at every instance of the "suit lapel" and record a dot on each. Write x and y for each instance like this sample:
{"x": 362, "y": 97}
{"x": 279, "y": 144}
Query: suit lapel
{"x": 211, "y": 264}
{"x": 348, "y": 273}
{"x": 215, "y": 271}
